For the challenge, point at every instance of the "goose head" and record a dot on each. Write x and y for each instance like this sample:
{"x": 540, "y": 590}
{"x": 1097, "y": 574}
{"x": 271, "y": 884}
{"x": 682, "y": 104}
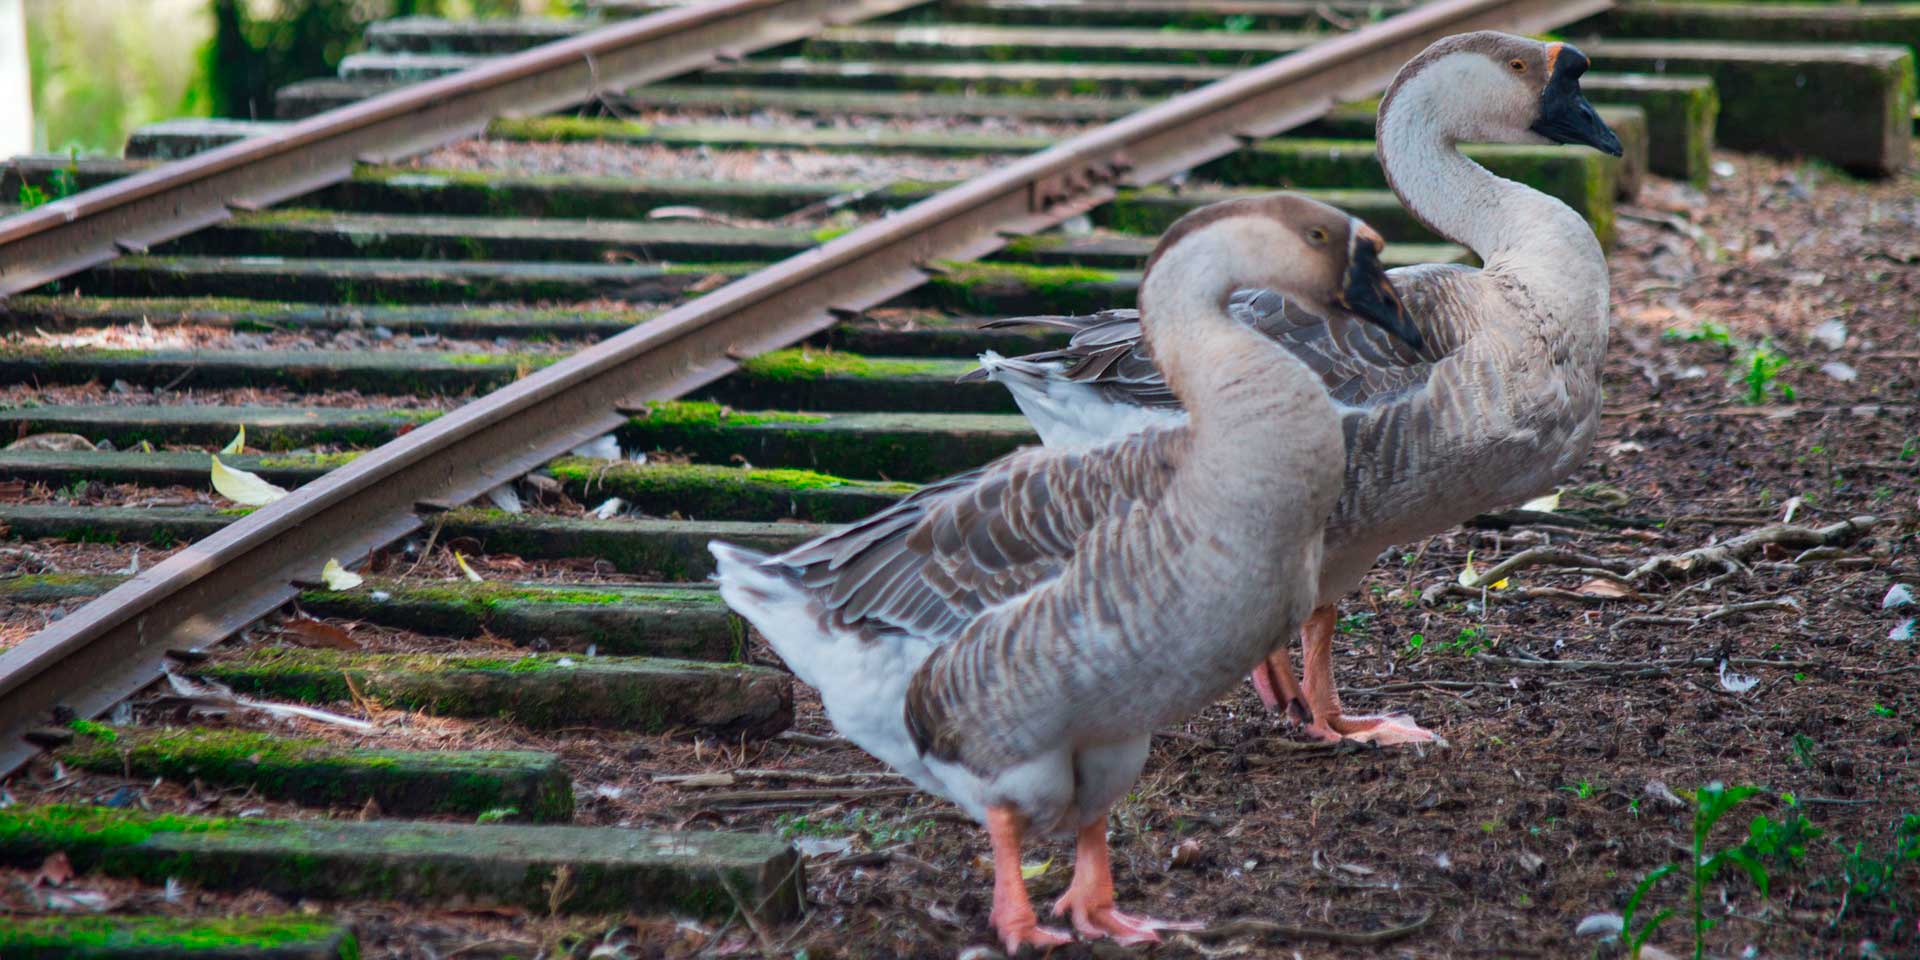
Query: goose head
{"x": 1495, "y": 87}
{"x": 1322, "y": 258}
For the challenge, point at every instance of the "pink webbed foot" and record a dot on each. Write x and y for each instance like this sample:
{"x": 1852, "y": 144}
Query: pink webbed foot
{"x": 1385, "y": 730}
{"x": 1016, "y": 932}
{"x": 1096, "y": 920}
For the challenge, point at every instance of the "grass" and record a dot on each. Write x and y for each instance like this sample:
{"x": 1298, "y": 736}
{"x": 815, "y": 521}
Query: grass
{"x": 1756, "y": 365}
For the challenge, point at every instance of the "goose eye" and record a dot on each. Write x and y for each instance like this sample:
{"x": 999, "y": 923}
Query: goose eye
{"x": 1518, "y": 65}
{"x": 1317, "y": 236}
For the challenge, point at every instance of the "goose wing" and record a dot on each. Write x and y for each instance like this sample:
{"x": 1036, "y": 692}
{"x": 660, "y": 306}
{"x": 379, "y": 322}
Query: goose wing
{"x": 932, "y": 563}
{"x": 1360, "y": 364}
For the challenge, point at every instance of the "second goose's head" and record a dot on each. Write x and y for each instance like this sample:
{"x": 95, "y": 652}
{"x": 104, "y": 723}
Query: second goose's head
{"x": 1498, "y": 88}
{"x": 1318, "y": 256}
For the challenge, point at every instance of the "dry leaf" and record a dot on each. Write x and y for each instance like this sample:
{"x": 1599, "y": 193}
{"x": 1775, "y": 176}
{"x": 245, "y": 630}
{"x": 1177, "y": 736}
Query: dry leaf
{"x": 318, "y": 633}
{"x": 1186, "y": 854}
{"x": 55, "y": 871}
{"x": 1030, "y": 870}
{"x": 239, "y": 443}
{"x": 1601, "y": 587}
{"x": 1471, "y": 578}
{"x": 461, "y": 561}
{"x": 243, "y": 487}
{"x": 1546, "y": 504}
{"x": 338, "y": 577}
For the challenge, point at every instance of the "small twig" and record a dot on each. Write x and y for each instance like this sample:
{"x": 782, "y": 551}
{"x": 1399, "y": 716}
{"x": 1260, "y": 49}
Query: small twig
{"x": 729, "y": 778}
{"x": 813, "y": 740}
{"x": 1267, "y": 928}
{"x": 439, "y": 520}
{"x": 874, "y": 858}
{"x": 724, "y": 797}
{"x": 751, "y": 917}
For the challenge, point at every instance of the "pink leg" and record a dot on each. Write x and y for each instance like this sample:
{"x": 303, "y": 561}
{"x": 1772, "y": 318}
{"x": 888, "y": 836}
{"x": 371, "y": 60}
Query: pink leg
{"x": 1090, "y": 897}
{"x": 1328, "y": 722}
{"x": 1012, "y": 916}
{"x": 1273, "y": 680}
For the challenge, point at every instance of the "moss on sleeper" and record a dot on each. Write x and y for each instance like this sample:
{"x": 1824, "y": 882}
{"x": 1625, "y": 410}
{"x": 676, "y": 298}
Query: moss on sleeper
{"x": 796, "y": 365}
{"x": 728, "y": 492}
{"x": 314, "y": 771}
{"x": 309, "y": 460}
{"x": 695, "y": 415}
{"x": 182, "y": 934}
{"x": 989, "y": 286}
{"x": 78, "y": 829}
{"x": 565, "y": 128}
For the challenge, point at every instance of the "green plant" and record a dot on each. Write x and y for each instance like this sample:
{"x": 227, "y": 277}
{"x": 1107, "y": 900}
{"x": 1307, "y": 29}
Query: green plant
{"x": 1803, "y": 750}
{"x": 1469, "y": 641}
{"x": 877, "y": 830}
{"x": 1583, "y": 790}
{"x": 1635, "y": 933}
{"x": 1756, "y": 365}
{"x": 1711, "y": 804}
{"x": 1870, "y": 878}
{"x": 1239, "y": 23}
{"x": 1707, "y": 332}
{"x": 1760, "y": 371}
{"x": 497, "y": 815}
{"x": 1356, "y": 623}
{"x": 1782, "y": 842}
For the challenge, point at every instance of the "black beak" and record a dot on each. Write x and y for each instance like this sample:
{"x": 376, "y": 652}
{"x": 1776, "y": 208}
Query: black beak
{"x": 1565, "y": 114}
{"x": 1368, "y": 294}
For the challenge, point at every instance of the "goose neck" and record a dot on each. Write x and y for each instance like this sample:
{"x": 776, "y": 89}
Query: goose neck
{"x": 1512, "y": 227}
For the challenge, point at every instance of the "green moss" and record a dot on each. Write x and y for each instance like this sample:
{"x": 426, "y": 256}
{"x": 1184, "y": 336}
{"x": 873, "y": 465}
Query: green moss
{"x": 92, "y": 829}
{"x": 94, "y": 729}
{"x": 825, "y": 234}
{"x": 995, "y": 286}
{"x": 788, "y": 366}
{"x": 565, "y": 128}
{"x": 727, "y": 492}
{"x": 171, "y": 933}
{"x": 310, "y": 460}
{"x": 499, "y": 359}
{"x": 693, "y": 415}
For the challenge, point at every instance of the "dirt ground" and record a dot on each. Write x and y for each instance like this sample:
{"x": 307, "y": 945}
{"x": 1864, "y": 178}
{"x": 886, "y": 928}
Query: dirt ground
{"x": 1580, "y": 714}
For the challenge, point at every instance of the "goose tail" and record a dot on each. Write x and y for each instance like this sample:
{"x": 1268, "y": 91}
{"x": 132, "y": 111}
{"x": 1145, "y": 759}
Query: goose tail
{"x": 862, "y": 679}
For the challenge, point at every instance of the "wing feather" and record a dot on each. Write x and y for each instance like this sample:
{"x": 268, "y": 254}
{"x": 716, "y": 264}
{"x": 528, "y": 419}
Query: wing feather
{"x": 931, "y": 563}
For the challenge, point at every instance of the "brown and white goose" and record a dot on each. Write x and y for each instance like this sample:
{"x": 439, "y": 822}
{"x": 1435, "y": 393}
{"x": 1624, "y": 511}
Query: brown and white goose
{"x": 1011, "y": 637}
{"x": 1500, "y": 401}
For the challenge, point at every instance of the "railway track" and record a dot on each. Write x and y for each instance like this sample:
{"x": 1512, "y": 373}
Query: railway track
{"x": 518, "y": 358}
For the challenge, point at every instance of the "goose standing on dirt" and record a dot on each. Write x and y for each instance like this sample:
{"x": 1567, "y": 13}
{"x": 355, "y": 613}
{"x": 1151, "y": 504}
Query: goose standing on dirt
{"x": 1010, "y": 638}
{"x": 1501, "y": 402}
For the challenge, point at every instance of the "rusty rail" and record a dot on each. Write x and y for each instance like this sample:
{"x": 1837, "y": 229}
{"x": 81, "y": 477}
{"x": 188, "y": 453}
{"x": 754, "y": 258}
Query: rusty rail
{"x": 135, "y": 213}
{"x": 114, "y": 645}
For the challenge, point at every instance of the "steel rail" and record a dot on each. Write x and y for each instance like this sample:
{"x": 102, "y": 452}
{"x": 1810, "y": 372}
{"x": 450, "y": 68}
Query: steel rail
{"x": 132, "y": 214}
{"x": 109, "y": 648}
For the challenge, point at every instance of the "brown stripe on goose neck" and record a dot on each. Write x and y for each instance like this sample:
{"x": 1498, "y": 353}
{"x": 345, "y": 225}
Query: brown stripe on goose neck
{"x": 1489, "y": 43}
{"x": 1278, "y": 206}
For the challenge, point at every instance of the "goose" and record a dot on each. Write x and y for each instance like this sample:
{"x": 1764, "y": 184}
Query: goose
{"x": 1500, "y": 401}
{"x": 1010, "y": 637}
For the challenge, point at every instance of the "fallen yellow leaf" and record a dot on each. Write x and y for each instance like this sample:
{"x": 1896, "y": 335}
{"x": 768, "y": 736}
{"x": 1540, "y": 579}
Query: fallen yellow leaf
{"x": 338, "y": 577}
{"x": 462, "y": 563}
{"x": 238, "y": 445}
{"x": 242, "y": 487}
{"x": 1030, "y": 870}
{"x": 1546, "y": 504}
{"x": 1471, "y": 578}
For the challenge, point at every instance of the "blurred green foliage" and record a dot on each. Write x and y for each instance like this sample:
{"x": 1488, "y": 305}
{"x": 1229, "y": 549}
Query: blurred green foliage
{"x": 103, "y": 67}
